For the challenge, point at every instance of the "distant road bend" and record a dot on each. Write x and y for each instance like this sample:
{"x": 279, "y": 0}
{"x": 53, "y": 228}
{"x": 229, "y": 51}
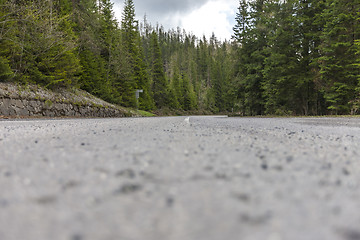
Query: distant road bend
{"x": 180, "y": 178}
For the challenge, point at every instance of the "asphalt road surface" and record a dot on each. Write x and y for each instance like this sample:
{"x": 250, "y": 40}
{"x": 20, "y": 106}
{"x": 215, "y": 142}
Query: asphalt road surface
{"x": 180, "y": 178}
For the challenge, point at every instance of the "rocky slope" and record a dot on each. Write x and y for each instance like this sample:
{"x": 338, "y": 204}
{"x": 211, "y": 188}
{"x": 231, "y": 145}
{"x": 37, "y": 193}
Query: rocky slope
{"x": 34, "y": 101}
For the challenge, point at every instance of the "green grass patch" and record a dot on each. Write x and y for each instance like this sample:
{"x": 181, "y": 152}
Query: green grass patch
{"x": 145, "y": 113}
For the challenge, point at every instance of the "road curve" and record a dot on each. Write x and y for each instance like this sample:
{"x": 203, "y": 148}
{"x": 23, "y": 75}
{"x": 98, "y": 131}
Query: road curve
{"x": 180, "y": 178}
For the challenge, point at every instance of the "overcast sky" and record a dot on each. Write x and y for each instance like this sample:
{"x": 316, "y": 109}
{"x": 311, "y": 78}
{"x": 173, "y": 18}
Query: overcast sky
{"x": 196, "y": 16}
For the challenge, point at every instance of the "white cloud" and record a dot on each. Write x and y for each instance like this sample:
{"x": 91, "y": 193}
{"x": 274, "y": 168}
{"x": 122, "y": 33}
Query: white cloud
{"x": 118, "y": 9}
{"x": 216, "y": 16}
{"x": 212, "y": 17}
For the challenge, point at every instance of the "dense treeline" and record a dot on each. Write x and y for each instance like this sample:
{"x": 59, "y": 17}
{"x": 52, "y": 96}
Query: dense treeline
{"x": 73, "y": 43}
{"x": 286, "y": 57}
{"x": 298, "y": 57}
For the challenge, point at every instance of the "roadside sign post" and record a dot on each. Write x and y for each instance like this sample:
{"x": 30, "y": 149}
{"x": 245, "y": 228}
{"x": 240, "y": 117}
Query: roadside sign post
{"x": 137, "y": 95}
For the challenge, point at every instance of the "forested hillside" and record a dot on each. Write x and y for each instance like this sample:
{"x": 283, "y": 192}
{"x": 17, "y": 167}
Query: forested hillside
{"x": 296, "y": 57}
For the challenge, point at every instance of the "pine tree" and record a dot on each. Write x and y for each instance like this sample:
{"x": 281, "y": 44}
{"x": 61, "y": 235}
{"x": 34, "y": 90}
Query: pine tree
{"x": 176, "y": 89}
{"x": 309, "y": 26}
{"x": 188, "y": 95}
{"x": 356, "y": 102}
{"x": 159, "y": 82}
{"x": 5, "y": 44}
{"x": 250, "y": 35}
{"x": 5, "y": 70}
{"x": 281, "y": 70}
{"x": 129, "y": 39}
{"x": 97, "y": 31}
{"x": 46, "y": 46}
{"x": 338, "y": 54}
{"x": 138, "y": 77}
{"x": 142, "y": 79}
{"x": 221, "y": 79}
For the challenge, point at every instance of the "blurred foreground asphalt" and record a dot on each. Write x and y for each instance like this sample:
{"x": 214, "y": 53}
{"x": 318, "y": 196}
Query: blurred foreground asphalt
{"x": 180, "y": 178}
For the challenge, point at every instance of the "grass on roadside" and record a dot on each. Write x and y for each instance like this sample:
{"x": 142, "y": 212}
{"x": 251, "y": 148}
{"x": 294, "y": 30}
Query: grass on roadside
{"x": 145, "y": 113}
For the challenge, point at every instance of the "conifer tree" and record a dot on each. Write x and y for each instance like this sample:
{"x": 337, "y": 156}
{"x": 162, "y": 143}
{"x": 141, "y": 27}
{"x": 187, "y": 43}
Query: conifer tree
{"x": 138, "y": 77}
{"x": 221, "y": 79}
{"x": 129, "y": 39}
{"x": 281, "y": 66}
{"x": 250, "y": 34}
{"x": 5, "y": 70}
{"x": 176, "y": 89}
{"x": 5, "y": 44}
{"x": 159, "y": 82}
{"x": 45, "y": 44}
{"x": 309, "y": 25}
{"x": 338, "y": 54}
{"x": 188, "y": 95}
{"x": 87, "y": 26}
{"x": 142, "y": 79}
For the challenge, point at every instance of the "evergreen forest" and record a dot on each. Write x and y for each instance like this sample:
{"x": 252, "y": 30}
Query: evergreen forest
{"x": 286, "y": 57}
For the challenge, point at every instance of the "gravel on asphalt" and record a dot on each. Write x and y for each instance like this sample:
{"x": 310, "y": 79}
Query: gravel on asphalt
{"x": 180, "y": 178}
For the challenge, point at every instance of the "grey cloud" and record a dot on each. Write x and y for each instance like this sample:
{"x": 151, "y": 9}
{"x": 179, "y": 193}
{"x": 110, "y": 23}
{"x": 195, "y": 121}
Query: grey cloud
{"x": 162, "y": 8}
{"x": 162, "y": 11}
{"x": 168, "y": 13}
